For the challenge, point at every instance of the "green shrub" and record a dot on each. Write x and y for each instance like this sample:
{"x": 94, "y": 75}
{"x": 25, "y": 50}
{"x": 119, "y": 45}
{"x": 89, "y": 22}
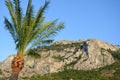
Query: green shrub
{"x": 34, "y": 54}
{"x": 60, "y": 58}
{"x": 115, "y": 54}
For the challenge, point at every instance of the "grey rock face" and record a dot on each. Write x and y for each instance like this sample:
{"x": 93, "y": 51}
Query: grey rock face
{"x": 80, "y": 55}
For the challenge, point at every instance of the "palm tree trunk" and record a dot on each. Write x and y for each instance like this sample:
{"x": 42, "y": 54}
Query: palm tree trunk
{"x": 17, "y": 65}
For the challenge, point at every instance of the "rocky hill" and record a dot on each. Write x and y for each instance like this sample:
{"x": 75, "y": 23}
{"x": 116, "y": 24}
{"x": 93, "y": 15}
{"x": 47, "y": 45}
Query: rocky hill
{"x": 80, "y": 55}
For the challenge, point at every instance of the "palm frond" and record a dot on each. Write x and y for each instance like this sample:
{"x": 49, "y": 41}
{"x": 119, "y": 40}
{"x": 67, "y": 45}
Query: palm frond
{"x": 11, "y": 29}
{"x": 18, "y": 12}
{"x": 39, "y": 14}
{"x": 26, "y": 33}
{"x": 29, "y": 13}
{"x": 37, "y": 32}
{"x": 12, "y": 12}
{"x": 48, "y": 33}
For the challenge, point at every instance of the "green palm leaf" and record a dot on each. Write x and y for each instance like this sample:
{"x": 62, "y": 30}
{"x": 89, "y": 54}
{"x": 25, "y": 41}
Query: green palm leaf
{"x": 11, "y": 29}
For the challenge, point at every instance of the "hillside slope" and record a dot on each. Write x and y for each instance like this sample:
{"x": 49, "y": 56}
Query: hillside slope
{"x": 78, "y": 55}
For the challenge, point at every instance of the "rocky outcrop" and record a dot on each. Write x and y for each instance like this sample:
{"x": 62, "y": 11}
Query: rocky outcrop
{"x": 81, "y": 55}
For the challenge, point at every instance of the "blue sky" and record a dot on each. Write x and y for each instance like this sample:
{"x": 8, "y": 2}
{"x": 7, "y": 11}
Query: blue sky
{"x": 83, "y": 19}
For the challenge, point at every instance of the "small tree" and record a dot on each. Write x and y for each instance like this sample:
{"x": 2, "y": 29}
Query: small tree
{"x": 28, "y": 31}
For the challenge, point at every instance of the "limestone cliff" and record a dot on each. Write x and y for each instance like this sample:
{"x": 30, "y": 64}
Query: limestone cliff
{"x": 81, "y": 55}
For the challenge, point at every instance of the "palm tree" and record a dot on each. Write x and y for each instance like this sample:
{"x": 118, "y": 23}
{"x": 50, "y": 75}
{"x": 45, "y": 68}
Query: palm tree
{"x": 28, "y": 31}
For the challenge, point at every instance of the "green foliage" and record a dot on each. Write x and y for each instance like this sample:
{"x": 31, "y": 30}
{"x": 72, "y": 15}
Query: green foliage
{"x": 34, "y": 54}
{"x": 59, "y": 58}
{"x": 115, "y": 54}
{"x": 61, "y": 47}
{"x": 72, "y": 63}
